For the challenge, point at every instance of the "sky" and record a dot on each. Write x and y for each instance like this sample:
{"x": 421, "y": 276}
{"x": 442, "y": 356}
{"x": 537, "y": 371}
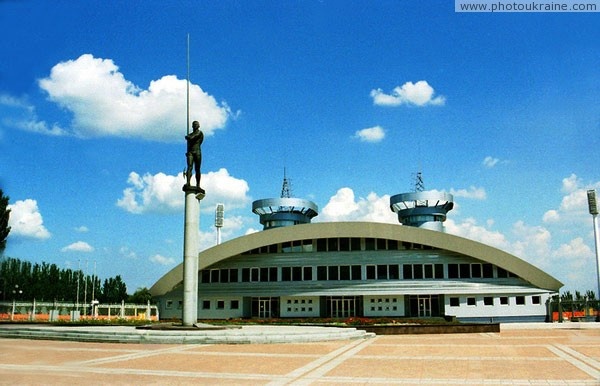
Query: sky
{"x": 351, "y": 98}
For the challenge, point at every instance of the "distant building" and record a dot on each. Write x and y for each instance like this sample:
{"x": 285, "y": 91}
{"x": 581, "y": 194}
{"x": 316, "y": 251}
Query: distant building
{"x": 295, "y": 269}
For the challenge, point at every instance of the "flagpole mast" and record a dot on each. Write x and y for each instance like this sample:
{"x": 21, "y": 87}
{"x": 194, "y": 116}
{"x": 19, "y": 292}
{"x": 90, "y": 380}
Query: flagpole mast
{"x": 188, "y": 83}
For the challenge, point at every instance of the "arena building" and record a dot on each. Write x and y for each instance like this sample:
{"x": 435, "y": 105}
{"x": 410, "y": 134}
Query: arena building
{"x": 298, "y": 269}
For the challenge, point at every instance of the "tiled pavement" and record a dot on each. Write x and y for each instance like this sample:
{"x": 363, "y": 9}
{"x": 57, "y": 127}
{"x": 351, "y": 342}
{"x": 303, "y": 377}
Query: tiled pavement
{"x": 518, "y": 355}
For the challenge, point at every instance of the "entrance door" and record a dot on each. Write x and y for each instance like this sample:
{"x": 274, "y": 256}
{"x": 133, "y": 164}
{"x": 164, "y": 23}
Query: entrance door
{"x": 424, "y": 306}
{"x": 264, "y": 308}
{"x": 342, "y": 307}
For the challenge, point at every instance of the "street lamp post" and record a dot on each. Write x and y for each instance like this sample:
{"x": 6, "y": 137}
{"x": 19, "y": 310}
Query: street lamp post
{"x": 593, "y": 208}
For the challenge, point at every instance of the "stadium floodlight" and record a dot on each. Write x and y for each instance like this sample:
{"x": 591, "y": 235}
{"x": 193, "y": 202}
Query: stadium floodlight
{"x": 593, "y": 208}
{"x": 592, "y": 205}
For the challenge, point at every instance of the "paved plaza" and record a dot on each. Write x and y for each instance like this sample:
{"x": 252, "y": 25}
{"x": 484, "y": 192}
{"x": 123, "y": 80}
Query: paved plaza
{"x": 532, "y": 354}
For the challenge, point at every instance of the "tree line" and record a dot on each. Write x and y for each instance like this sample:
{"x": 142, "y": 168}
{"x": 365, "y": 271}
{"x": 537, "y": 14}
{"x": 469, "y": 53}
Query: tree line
{"x": 22, "y": 280}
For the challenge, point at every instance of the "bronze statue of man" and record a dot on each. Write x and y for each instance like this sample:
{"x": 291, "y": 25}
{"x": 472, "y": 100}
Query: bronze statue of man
{"x": 194, "y": 153}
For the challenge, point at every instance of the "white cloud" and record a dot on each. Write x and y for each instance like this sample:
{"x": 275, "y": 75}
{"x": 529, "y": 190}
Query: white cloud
{"x": 343, "y": 207}
{"x": 79, "y": 246}
{"x": 551, "y": 216}
{"x": 490, "y": 162}
{"x": 162, "y": 260}
{"x": 371, "y": 134}
{"x": 469, "y": 229}
{"x": 104, "y": 103}
{"x": 18, "y": 112}
{"x": 573, "y": 208}
{"x": 471, "y": 193}
{"x": 161, "y": 193}
{"x": 418, "y": 94}
{"x": 26, "y": 220}
{"x": 82, "y": 229}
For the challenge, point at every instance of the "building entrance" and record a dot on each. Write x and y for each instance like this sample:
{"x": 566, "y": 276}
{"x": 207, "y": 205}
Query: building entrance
{"x": 423, "y": 306}
{"x": 265, "y": 307}
{"x": 342, "y": 306}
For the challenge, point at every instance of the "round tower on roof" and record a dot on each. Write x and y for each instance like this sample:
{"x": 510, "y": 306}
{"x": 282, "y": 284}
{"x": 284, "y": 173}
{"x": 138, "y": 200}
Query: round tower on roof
{"x": 422, "y": 209}
{"x": 284, "y": 211}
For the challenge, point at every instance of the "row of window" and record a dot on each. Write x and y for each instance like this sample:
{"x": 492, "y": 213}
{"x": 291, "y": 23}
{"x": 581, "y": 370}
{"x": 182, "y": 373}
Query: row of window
{"x": 489, "y": 301}
{"x": 353, "y": 272}
{"x": 379, "y": 304}
{"x": 336, "y": 244}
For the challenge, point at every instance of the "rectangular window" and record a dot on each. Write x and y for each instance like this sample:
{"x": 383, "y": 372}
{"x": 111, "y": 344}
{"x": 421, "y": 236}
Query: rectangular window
{"x": 381, "y": 244}
{"x": 344, "y": 244}
{"x": 307, "y": 273}
{"x": 536, "y": 300}
{"x": 286, "y": 273}
{"x": 428, "y": 271}
{"x": 418, "y": 271}
{"x": 355, "y": 244}
{"x": 233, "y": 275}
{"x": 465, "y": 271}
{"x": 471, "y": 302}
{"x": 245, "y": 275}
{"x": 488, "y": 301}
{"x": 214, "y": 275}
{"x": 520, "y": 300}
{"x": 371, "y": 272}
{"x": 393, "y": 245}
{"x": 234, "y": 305}
{"x": 220, "y": 304}
{"x": 169, "y": 304}
{"x": 297, "y": 273}
{"x": 407, "y": 271}
{"x": 369, "y": 244}
{"x": 254, "y": 274}
{"x": 332, "y": 272}
{"x": 439, "y": 271}
{"x": 501, "y": 272}
{"x": 264, "y": 274}
{"x": 393, "y": 272}
{"x": 504, "y": 300}
{"x": 206, "y": 304}
{"x": 382, "y": 272}
{"x": 321, "y": 272}
{"x": 205, "y": 276}
{"x": 476, "y": 270}
{"x": 321, "y": 245}
{"x": 345, "y": 272}
{"x": 332, "y": 244}
{"x": 453, "y": 271}
{"x": 454, "y": 302}
{"x": 356, "y": 272}
{"x": 488, "y": 271}
{"x": 224, "y": 275}
{"x": 273, "y": 274}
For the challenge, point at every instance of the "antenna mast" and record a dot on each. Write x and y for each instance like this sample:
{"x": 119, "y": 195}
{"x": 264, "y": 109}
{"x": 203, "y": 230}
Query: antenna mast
{"x": 286, "y": 190}
{"x": 188, "y": 84}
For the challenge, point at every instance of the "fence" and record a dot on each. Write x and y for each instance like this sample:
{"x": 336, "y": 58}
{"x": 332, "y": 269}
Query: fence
{"x": 574, "y": 311}
{"x": 64, "y": 311}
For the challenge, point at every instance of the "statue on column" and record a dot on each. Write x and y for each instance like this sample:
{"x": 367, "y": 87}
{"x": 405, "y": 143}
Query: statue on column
{"x": 194, "y": 154}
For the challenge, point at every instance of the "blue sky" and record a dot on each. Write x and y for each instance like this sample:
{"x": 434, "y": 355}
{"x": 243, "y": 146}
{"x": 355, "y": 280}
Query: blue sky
{"x": 352, "y": 98}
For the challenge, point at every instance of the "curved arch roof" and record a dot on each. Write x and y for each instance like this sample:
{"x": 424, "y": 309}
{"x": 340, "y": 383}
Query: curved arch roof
{"x": 434, "y": 239}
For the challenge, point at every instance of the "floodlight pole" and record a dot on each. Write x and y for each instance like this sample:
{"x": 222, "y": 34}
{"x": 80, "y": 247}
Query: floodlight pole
{"x": 593, "y": 209}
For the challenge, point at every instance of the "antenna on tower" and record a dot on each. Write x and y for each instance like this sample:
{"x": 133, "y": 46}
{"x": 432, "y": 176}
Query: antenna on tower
{"x": 418, "y": 180}
{"x": 286, "y": 189}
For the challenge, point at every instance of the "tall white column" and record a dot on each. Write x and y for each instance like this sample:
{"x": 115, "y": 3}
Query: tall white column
{"x": 190, "y": 255}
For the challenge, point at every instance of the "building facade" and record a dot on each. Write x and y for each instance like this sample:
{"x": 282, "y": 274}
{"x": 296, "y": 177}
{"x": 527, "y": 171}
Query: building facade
{"x": 362, "y": 269}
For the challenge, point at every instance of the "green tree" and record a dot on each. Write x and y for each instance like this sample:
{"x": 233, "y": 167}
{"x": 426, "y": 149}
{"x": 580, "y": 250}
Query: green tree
{"x": 114, "y": 290}
{"x": 4, "y": 216}
{"x": 140, "y": 296}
